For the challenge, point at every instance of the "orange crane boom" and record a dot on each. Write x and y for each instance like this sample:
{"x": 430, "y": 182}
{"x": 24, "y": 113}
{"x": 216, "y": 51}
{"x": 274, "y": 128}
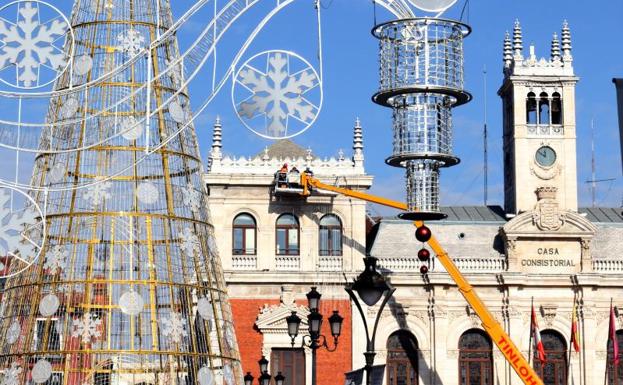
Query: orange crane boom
{"x": 513, "y": 355}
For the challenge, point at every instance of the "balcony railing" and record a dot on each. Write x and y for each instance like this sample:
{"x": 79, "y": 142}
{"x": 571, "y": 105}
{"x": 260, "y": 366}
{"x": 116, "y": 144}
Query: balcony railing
{"x": 288, "y": 262}
{"x": 244, "y": 262}
{"x": 330, "y": 263}
{"x": 607, "y": 266}
{"x": 468, "y": 265}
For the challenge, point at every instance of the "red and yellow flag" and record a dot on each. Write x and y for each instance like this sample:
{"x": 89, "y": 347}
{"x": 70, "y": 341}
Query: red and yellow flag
{"x": 575, "y": 334}
{"x": 536, "y": 335}
{"x": 612, "y": 337}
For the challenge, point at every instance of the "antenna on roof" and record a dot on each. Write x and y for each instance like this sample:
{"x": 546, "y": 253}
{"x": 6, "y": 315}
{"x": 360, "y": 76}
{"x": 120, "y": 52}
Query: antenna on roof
{"x": 594, "y": 181}
{"x": 485, "y": 134}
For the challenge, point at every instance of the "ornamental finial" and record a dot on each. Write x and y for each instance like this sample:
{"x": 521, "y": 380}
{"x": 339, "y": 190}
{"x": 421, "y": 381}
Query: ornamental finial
{"x": 358, "y": 143}
{"x": 508, "y": 51}
{"x": 217, "y": 141}
{"x": 517, "y": 41}
{"x": 566, "y": 42}
{"x": 555, "y": 52}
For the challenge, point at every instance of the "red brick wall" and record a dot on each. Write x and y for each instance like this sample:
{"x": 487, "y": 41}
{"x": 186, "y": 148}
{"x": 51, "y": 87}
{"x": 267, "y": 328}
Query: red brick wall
{"x": 330, "y": 366}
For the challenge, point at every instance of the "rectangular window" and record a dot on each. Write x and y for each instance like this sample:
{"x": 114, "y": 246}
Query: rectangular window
{"x": 291, "y": 364}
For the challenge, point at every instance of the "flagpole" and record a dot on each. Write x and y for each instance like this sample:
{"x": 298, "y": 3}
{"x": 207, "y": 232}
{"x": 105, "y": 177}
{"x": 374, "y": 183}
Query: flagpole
{"x": 606, "y": 371}
{"x": 531, "y": 326}
{"x": 573, "y": 313}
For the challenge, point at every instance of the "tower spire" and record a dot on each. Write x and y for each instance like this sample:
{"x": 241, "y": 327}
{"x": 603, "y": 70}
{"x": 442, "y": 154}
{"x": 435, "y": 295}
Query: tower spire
{"x": 517, "y": 41}
{"x": 555, "y": 52}
{"x": 508, "y": 51}
{"x": 216, "y": 154}
{"x": 358, "y": 144}
{"x": 566, "y": 42}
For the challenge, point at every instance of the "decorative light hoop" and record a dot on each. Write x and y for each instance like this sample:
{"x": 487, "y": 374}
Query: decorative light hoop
{"x": 319, "y": 85}
{"x": 377, "y": 30}
{"x": 43, "y": 223}
{"x": 70, "y": 32}
{"x": 437, "y": 6}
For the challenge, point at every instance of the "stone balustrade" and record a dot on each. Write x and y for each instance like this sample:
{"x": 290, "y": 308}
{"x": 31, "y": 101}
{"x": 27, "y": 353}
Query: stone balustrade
{"x": 244, "y": 262}
{"x": 288, "y": 262}
{"x": 608, "y": 265}
{"x": 330, "y": 263}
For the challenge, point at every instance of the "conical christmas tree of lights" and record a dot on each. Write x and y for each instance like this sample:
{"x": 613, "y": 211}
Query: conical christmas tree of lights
{"x": 129, "y": 288}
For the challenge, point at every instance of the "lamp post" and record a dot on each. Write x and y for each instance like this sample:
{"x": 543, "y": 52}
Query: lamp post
{"x": 315, "y": 339}
{"x": 370, "y": 286}
{"x": 264, "y": 376}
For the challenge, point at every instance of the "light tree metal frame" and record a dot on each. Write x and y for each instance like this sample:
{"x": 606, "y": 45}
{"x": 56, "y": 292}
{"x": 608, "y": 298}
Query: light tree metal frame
{"x": 138, "y": 293}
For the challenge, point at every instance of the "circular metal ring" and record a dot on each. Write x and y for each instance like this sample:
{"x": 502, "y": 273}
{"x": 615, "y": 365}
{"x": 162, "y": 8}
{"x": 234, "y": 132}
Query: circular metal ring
{"x": 384, "y": 97}
{"x": 422, "y": 216}
{"x": 444, "y": 159}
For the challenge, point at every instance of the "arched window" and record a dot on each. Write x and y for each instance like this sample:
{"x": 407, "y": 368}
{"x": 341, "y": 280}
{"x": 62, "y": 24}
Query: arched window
{"x": 475, "y": 358}
{"x": 330, "y": 237}
{"x": 402, "y": 359}
{"x": 287, "y": 230}
{"x": 543, "y": 109}
{"x": 531, "y": 109}
{"x": 615, "y": 377}
{"x": 554, "y": 370}
{"x": 556, "y": 109}
{"x": 244, "y": 235}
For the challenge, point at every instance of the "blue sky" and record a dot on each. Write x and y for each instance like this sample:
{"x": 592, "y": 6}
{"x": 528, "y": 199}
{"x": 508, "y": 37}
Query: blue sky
{"x": 351, "y": 77}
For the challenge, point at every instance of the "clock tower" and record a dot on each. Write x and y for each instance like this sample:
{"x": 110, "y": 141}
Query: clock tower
{"x": 539, "y": 132}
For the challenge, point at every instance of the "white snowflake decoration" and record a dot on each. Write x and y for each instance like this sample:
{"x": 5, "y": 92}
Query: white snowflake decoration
{"x": 87, "y": 328}
{"x": 204, "y": 308}
{"x": 147, "y": 193}
{"x": 174, "y": 327}
{"x": 189, "y": 242}
{"x": 49, "y": 305}
{"x": 131, "y": 303}
{"x": 131, "y": 42}
{"x": 99, "y": 192}
{"x": 13, "y": 333}
{"x": 55, "y": 259}
{"x": 277, "y": 94}
{"x": 192, "y": 198}
{"x": 28, "y": 44}
{"x": 83, "y": 64}
{"x": 16, "y": 230}
{"x": 12, "y": 374}
{"x": 69, "y": 108}
{"x": 42, "y": 371}
{"x": 130, "y": 128}
{"x": 205, "y": 376}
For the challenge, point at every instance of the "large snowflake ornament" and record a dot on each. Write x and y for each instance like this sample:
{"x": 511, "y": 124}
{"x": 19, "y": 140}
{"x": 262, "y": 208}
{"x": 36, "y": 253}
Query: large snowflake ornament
{"x": 31, "y": 45}
{"x": 174, "y": 327}
{"x": 131, "y": 42}
{"x": 87, "y": 328}
{"x": 278, "y": 95}
{"x": 99, "y": 192}
{"x": 189, "y": 242}
{"x": 192, "y": 198}
{"x": 56, "y": 259}
{"x": 19, "y": 230}
{"x": 12, "y": 374}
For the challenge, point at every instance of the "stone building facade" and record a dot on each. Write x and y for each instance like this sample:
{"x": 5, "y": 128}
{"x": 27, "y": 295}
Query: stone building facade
{"x": 289, "y": 245}
{"x": 540, "y": 251}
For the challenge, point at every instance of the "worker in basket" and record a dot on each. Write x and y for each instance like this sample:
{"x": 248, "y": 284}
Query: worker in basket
{"x": 282, "y": 176}
{"x": 294, "y": 176}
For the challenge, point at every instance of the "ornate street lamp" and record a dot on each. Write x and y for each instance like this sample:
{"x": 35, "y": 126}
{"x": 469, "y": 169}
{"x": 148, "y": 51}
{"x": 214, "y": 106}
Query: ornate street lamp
{"x": 370, "y": 286}
{"x": 264, "y": 376}
{"x": 315, "y": 340}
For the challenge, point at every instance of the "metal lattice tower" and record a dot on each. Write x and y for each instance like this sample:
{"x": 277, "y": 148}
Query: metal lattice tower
{"x": 421, "y": 76}
{"x": 129, "y": 288}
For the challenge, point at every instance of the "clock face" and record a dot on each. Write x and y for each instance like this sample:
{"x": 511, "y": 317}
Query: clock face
{"x": 545, "y": 156}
